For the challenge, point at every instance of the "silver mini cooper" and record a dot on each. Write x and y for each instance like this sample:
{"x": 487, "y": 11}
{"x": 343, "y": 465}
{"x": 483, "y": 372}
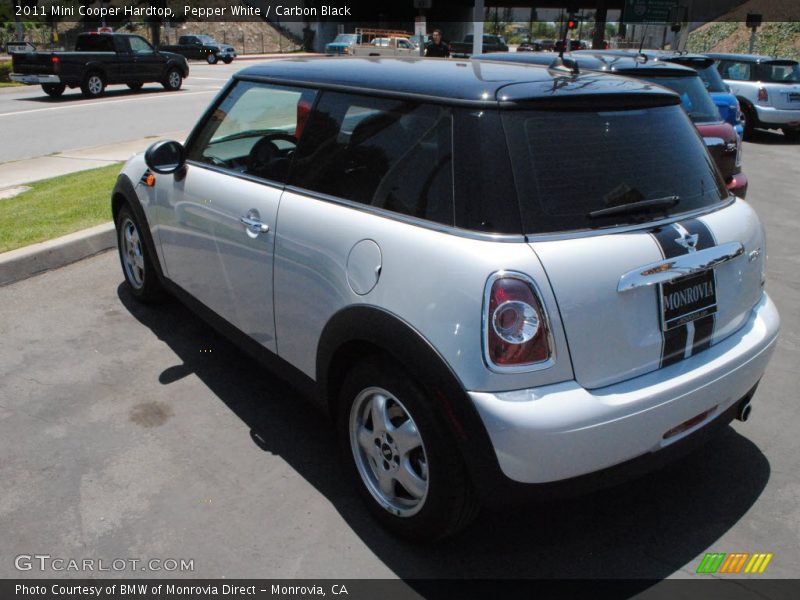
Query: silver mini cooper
{"x": 498, "y": 279}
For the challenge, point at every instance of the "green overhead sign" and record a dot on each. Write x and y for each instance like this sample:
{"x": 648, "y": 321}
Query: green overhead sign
{"x": 649, "y": 11}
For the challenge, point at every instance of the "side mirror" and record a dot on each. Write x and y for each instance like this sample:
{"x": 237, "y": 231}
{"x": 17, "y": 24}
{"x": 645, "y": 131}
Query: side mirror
{"x": 165, "y": 157}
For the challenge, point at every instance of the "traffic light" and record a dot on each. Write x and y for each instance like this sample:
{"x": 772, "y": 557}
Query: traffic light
{"x": 572, "y": 24}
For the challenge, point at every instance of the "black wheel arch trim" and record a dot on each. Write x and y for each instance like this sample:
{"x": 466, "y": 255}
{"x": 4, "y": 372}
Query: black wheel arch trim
{"x": 359, "y": 331}
{"x": 125, "y": 193}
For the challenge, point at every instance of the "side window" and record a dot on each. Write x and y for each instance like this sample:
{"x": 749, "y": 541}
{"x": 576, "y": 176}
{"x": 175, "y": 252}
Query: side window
{"x": 140, "y": 45}
{"x": 391, "y": 154}
{"x": 738, "y": 71}
{"x": 254, "y": 130}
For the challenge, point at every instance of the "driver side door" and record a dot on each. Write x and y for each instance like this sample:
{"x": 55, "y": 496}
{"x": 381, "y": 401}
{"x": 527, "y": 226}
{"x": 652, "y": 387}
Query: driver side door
{"x": 217, "y": 230}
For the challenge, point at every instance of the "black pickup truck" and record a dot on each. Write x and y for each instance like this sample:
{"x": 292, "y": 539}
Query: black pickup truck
{"x": 202, "y": 47}
{"x": 491, "y": 43}
{"x": 100, "y": 59}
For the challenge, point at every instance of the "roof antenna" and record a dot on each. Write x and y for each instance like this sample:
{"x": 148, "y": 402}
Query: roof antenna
{"x": 641, "y": 56}
{"x": 561, "y": 63}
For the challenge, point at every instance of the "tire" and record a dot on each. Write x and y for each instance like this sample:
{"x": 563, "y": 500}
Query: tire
{"x": 135, "y": 86}
{"x": 141, "y": 278}
{"x": 211, "y": 59}
{"x": 227, "y": 60}
{"x": 173, "y": 81}
{"x": 749, "y": 124}
{"x": 792, "y": 135}
{"x": 54, "y": 90}
{"x": 409, "y": 472}
{"x": 94, "y": 85}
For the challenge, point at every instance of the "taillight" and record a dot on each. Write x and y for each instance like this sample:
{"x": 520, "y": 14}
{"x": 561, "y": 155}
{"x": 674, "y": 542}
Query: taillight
{"x": 56, "y": 64}
{"x": 762, "y": 95}
{"x": 516, "y": 330}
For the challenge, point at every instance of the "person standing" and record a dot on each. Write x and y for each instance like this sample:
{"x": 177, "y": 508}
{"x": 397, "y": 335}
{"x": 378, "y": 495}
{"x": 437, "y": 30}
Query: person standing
{"x": 436, "y": 47}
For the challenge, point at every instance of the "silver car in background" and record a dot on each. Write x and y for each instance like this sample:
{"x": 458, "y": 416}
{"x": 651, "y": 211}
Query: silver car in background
{"x": 482, "y": 271}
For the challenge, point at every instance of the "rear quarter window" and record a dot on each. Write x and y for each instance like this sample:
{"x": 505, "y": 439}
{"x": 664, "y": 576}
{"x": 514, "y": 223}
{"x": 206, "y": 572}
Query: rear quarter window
{"x": 390, "y": 154}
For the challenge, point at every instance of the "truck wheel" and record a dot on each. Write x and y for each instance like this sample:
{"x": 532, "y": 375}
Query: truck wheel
{"x": 93, "y": 86}
{"x": 54, "y": 90}
{"x": 211, "y": 59}
{"x": 227, "y": 60}
{"x": 400, "y": 455}
{"x": 173, "y": 81}
{"x": 135, "y": 86}
{"x": 137, "y": 265}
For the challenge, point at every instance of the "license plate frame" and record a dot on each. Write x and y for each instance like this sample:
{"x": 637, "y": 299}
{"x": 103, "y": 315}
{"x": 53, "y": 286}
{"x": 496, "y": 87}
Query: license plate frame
{"x": 793, "y": 96}
{"x": 687, "y": 299}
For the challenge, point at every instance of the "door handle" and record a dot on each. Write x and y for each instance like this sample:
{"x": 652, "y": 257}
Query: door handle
{"x": 254, "y": 225}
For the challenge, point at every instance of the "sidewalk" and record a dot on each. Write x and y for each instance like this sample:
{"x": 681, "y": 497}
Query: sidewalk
{"x": 20, "y": 172}
{"x": 37, "y": 258}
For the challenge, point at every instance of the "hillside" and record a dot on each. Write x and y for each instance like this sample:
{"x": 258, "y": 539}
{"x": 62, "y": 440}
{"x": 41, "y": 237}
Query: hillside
{"x": 779, "y": 36}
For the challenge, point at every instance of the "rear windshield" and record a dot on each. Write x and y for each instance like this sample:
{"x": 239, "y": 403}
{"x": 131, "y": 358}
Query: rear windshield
{"x": 779, "y": 72}
{"x": 94, "y": 43}
{"x": 712, "y": 80}
{"x": 695, "y": 99}
{"x": 568, "y": 164}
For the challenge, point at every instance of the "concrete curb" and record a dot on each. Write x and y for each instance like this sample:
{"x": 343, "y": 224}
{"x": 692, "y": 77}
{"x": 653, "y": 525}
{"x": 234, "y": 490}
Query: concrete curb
{"x": 37, "y": 258}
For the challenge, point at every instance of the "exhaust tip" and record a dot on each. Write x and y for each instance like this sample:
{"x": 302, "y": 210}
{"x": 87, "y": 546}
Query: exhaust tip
{"x": 744, "y": 411}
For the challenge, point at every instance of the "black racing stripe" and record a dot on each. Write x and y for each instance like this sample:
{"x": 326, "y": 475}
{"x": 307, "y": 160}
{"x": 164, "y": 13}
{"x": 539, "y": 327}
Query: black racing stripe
{"x": 666, "y": 236}
{"x": 703, "y": 328}
{"x": 674, "y": 345}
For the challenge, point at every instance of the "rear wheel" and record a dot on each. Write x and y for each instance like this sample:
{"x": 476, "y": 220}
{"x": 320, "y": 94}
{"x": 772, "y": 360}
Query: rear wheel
{"x": 227, "y": 60}
{"x": 748, "y": 121}
{"x": 401, "y": 456}
{"x": 93, "y": 86}
{"x": 137, "y": 264}
{"x": 173, "y": 81}
{"x": 135, "y": 86}
{"x": 54, "y": 90}
{"x": 211, "y": 59}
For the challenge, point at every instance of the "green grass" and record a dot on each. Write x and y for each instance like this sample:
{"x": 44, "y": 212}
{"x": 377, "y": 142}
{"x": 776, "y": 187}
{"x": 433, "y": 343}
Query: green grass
{"x": 57, "y": 206}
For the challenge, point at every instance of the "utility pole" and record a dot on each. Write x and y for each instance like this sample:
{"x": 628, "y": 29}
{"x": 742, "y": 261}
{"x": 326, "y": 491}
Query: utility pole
{"x": 753, "y": 22}
{"x": 17, "y": 23}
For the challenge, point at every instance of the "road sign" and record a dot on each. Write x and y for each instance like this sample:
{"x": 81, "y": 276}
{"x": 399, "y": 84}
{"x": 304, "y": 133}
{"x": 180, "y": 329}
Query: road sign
{"x": 649, "y": 11}
{"x": 20, "y": 47}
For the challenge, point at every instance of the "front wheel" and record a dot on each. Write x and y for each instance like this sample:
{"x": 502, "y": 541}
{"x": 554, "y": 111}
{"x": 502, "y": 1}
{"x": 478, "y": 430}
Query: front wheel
{"x": 137, "y": 265}
{"x": 93, "y": 86}
{"x": 211, "y": 59}
{"x": 227, "y": 60}
{"x": 401, "y": 456}
{"x": 54, "y": 90}
{"x": 173, "y": 81}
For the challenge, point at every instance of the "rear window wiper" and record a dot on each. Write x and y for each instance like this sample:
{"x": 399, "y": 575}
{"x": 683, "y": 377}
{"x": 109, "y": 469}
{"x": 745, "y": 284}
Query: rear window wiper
{"x": 653, "y": 205}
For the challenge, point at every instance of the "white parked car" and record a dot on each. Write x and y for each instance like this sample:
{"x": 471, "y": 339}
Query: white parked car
{"x": 768, "y": 90}
{"x": 499, "y": 280}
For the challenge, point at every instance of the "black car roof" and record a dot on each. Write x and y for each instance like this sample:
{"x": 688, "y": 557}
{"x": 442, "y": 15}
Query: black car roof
{"x": 757, "y": 58}
{"x": 452, "y": 81}
{"x": 610, "y": 62}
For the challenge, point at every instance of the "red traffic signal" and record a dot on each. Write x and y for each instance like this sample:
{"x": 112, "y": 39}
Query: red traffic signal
{"x": 572, "y": 24}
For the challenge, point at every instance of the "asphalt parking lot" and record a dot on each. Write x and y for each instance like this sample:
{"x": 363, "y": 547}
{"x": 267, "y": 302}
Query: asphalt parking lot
{"x": 135, "y": 432}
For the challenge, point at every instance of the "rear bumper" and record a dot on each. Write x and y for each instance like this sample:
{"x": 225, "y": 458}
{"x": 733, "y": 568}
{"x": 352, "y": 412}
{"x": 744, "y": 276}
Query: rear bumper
{"x": 778, "y": 117}
{"x": 564, "y": 431}
{"x": 34, "y": 79}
